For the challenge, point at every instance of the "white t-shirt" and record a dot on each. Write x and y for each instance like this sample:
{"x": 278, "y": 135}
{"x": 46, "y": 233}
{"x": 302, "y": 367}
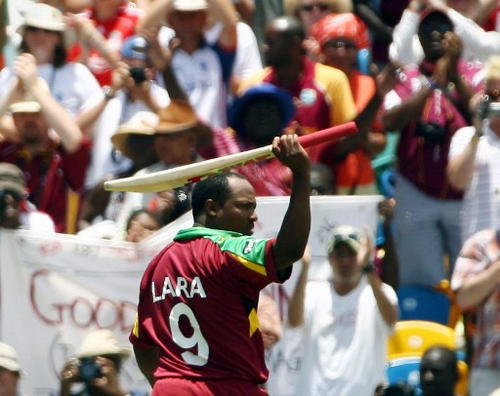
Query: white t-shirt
{"x": 345, "y": 341}
{"x": 72, "y": 85}
{"x": 481, "y": 204}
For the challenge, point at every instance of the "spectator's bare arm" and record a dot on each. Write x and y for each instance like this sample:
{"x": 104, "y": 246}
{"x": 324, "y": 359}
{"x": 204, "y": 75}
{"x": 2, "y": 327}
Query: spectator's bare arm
{"x": 155, "y": 15}
{"x": 224, "y": 11}
{"x": 296, "y": 305}
{"x": 58, "y": 119}
{"x": 92, "y": 38}
{"x": 478, "y": 286}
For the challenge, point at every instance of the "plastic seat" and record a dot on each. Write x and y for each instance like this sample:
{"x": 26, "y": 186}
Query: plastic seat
{"x": 413, "y": 337}
{"x": 423, "y": 303}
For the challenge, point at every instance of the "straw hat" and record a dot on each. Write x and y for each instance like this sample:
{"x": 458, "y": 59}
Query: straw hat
{"x": 42, "y": 16}
{"x": 8, "y": 358}
{"x": 12, "y": 178}
{"x": 178, "y": 116}
{"x": 142, "y": 123}
{"x": 102, "y": 342}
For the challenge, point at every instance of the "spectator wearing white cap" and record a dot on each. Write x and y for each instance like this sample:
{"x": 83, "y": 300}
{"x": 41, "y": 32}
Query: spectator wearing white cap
{"x": 97, "y": 366}
{"x": 346, "y": 320}
{"x": 10, "y": 370}
{"x": 43, "y": 34}
{"x": 203, "y": 69}
{"x": 50, "y": 148}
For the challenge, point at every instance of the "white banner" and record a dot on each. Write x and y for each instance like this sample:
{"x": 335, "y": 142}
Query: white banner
{"x": 57, "y": 288}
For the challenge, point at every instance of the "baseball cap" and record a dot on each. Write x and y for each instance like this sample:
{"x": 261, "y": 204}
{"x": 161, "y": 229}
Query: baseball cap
{"x": 135, "y": 47}
{"x": 429, "y": 12}
{"x": 102, "y": 342}
{"x": 8, "y": 358}
{"x": 346, "y": 234}
{"x": 12, "y": 178}
{"x": 189, "y": 5}
{"x": 42, "y": 16}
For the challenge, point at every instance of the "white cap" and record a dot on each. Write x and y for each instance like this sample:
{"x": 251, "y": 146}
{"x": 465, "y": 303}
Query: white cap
{"x": 42, "y": 16}
{"x": 8, "y": 358}
{"x": 102, "y": 342}
{"x": 190, "y": 5}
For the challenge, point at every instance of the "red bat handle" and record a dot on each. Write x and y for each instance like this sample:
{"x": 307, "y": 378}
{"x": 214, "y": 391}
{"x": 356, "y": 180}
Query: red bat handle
{"x": 328, "y": 134}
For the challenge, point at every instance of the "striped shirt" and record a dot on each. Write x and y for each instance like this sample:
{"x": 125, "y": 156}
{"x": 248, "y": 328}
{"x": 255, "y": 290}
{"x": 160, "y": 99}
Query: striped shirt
{"x": 477, "y": 254}
{"x": 481, "y": 205}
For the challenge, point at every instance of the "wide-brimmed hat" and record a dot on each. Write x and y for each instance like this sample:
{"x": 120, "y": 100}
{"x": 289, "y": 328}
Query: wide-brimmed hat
{"x": 8, "y": 358}
{"x": 345, "y": 25}
{"x": 141, "y": 123}
{"x": 346, "y": 234}
{"x": 102, "y": 342}
{"x": 42, "y": 16}
{"x": 12, "y": 178}
{"x": 189, "y": 5}
{"x": 178, "y": 116}
{"x": 263, "y": 90}
{"x": 28, "y": 104}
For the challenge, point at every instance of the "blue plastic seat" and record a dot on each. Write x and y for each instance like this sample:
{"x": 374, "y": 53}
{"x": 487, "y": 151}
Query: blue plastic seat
{"x": 423, "y": 303}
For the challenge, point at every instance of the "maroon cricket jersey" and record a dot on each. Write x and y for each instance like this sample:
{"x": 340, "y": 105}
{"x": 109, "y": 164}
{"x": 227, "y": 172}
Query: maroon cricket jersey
{"x": 198, "y": 305}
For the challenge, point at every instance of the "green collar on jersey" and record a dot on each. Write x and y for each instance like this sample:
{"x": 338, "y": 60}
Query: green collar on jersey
{"x": 204, "y": 232}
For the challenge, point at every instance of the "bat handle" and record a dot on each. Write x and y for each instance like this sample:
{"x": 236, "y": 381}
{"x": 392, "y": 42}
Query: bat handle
{"x": 328, "y": 134}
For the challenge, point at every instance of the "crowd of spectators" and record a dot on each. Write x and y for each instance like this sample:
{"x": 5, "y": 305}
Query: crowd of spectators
{"x": 102, "y": 89}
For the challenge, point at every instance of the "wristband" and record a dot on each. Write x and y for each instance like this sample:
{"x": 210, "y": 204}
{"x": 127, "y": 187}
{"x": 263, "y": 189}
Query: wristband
{"x": 368, "y": 268}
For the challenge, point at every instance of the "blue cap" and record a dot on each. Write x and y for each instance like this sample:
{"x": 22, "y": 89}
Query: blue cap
{"x": 135, "y": 47}
{"x": 266, "y": 90}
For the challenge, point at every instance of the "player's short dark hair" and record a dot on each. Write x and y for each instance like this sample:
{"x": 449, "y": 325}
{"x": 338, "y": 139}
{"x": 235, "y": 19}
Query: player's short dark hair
{"x": 215, "y": 188}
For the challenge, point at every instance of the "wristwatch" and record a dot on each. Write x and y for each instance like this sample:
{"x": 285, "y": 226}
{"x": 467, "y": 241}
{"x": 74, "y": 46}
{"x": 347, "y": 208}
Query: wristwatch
{"x": 368, "y": 268}
{"x": 108, "y": 92}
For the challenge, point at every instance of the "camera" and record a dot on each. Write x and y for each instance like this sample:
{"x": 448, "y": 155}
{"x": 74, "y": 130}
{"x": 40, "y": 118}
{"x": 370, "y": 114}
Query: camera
{"x": 138, "y": 74}
{"x": 89, "y": 369}
{"x": 431, "y": 132}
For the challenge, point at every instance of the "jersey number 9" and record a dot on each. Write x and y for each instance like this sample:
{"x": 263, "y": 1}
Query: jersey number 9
{"x": 184, "y": 342}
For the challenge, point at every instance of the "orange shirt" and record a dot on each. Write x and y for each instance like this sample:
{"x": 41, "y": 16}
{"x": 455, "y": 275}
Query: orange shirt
{"x": 356, "y": 169}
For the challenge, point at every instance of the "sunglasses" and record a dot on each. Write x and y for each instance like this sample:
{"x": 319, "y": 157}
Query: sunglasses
{"x": 319, "y": 6}
{"x": 36, "y": 29}
{"x": 339, "y": 45}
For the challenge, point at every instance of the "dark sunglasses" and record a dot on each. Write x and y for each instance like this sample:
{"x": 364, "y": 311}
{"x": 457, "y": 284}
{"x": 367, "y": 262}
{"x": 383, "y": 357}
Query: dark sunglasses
{"x": 339, "y": 44}
{"x": 442, "y": 28}
{"x": 319, "y": 6}
{"x": 36, "y": 29}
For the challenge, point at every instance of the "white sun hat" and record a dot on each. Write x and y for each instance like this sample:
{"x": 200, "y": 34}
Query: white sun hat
{"x": 8, "y": 358}
{"x": 102, "y": 342}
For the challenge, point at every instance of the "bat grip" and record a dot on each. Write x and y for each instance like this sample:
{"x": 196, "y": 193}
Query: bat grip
{"x": 328, "y": 134}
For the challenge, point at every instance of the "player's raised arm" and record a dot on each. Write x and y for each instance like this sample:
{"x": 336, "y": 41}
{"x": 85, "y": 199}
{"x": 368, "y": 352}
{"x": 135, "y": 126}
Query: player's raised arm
{"x": 294, "y": 231}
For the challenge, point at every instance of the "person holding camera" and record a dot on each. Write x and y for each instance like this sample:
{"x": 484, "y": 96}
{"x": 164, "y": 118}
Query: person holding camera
{"x": 474, "y": 158}
{"x": 96, "y": 368}
{"x": 132, "y": 90}
{"x": 428, "y": 105}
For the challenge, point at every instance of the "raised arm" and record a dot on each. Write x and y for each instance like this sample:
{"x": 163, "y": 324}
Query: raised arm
{"x": 58, "y": 119}
{"x": 294, "y": 231}
{"x": 297, "y": 300}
